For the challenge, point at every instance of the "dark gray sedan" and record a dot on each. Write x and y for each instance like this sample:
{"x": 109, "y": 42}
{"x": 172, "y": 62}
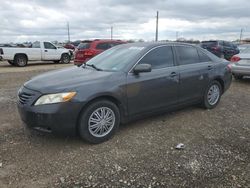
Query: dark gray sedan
{"x": 126, "y": 82}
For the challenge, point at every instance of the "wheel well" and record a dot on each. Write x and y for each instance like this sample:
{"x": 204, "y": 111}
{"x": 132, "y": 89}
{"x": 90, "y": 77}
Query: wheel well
{"x": 221, "y": 83}
{"x": 106, "y": 97}
{"x": 21, "y": 55}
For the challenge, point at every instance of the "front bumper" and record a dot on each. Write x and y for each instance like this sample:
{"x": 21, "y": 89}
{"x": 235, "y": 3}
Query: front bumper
{"x": 60, "y": 118}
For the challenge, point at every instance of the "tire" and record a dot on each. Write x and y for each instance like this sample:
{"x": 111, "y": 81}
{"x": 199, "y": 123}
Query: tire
{"x": 56, "y": 62}
{"x": 20, "y": 60}
{"x": 65, "y": 58}
{"x": 238, "y": 77}
{"x": 91, "y": 125}
{"x": 210, "y": 102}
{"x": 11, "y": 62}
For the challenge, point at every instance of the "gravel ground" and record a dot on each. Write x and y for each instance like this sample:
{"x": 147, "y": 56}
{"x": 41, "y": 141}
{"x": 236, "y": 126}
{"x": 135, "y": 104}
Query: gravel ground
{"x": 142, "y": 153}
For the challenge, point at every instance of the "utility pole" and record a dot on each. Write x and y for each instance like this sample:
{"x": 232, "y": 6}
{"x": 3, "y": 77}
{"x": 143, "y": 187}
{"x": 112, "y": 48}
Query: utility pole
{"x": 241, "y": 34}
{"x": 68, "y": 32}
{"x": 177, "y": 35}
{"x": 111, "y": 32}
{"x": 157, "y": 21}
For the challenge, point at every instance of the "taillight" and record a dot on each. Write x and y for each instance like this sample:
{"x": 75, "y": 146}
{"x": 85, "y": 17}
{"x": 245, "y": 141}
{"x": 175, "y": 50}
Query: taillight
{"x": 235, "y": 59}
{"x": 88, "y": 53}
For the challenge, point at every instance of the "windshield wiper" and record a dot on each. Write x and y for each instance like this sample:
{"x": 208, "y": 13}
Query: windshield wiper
{"x": 93, "y": 66}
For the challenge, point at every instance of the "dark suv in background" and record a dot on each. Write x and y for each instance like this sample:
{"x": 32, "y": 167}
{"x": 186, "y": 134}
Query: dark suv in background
{"x": 220, "y": 48}
{"x": 90, "y": 48}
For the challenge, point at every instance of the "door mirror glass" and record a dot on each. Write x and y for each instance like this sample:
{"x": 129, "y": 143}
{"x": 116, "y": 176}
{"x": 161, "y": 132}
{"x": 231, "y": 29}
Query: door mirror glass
{"x": 142, "y": 68}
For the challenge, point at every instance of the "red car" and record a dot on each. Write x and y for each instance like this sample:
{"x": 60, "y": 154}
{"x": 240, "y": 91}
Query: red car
{"x": 90, "y": 48}
{"x": 69, "y": 46}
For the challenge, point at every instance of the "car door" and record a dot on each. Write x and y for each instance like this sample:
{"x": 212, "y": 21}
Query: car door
{"x": 35, "y": 54}
{"x": 50, "y": 52}
{"x": 151, "y": 91}
{"x": 193, "y": 73}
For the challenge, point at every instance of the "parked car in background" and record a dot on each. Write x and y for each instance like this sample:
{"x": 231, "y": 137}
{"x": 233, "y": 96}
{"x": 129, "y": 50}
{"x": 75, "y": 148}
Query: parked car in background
{"x": 125, "y": 82}
{"x": 243, "y": 47}
{"x": 241, "y": 64}
{"x": 90, "y": 48}
{"x": 39, "y": 51}
{"x": 220, "y": 48}
{"x": 69, "y": 46}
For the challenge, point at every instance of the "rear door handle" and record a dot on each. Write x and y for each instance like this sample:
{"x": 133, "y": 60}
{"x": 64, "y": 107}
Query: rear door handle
{"x": 46, "y": 50}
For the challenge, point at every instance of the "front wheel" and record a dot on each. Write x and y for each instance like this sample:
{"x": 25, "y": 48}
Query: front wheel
{"x": 212, "y": 95}
{"x": 99, "y": 121}
{"x": 65, "y": 58}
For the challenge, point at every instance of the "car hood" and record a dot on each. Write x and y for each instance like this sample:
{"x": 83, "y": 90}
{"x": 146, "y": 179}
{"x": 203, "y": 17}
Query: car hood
{"x": 66, "y": 79}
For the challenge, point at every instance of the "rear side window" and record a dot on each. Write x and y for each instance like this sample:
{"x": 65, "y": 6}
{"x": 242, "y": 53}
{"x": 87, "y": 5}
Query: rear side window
{"x": 48, "y": 45}
{"x": 160, "y": 57}
{"x": 103, "y": 46}
{"x": 82, "y": 46}
{"x": 203, "y": 57}
{"x": 36, "y": 45}
{"x": 114, "y": 44}
{"x": 187, "y": 55}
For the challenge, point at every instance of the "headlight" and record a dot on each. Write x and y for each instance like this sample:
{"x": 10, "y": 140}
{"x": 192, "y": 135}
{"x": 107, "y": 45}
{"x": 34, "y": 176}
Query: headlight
{"x": 55, "y": 98}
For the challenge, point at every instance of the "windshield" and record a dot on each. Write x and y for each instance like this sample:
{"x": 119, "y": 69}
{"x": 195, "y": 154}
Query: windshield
{"x": 116, "y": 58}
{"x": 82, "y": 46}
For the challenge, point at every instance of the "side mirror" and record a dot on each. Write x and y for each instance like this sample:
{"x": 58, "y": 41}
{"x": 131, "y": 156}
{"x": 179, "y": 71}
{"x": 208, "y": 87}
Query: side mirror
{"x": 142, "y": 68}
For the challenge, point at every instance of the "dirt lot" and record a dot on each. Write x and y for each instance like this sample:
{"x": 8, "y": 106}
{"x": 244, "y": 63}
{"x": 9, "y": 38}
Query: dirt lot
{"x": 142, "y": 153}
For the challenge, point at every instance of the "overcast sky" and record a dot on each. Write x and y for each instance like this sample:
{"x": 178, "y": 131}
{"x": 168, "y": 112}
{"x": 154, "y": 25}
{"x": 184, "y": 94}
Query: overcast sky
{"x": 30, "y": 20}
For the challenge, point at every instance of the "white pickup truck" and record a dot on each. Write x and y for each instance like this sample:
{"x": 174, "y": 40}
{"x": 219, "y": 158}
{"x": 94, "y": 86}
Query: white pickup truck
{"x": 39, "y": 51}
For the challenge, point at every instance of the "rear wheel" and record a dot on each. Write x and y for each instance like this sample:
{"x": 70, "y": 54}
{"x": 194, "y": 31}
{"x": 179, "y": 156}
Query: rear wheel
{"x": 65, "y": 58}
{"x": 20, "y": 60}
{"x": 212, "y": 95}
{"x": 99, "y": 121}
{"x": 238, "y": 77}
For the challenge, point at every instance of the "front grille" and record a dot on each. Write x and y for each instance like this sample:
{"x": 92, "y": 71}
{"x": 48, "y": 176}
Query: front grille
{"x": 24, "y": 97}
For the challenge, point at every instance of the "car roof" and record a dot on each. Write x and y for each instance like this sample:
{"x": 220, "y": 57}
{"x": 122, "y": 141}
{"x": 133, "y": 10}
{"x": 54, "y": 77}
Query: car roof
{"x": 155, "y": 44}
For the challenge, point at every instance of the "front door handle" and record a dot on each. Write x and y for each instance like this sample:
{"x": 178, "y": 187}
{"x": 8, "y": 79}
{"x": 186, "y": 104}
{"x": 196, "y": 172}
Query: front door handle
{"x": 173, "y": 74}
{"x": 46, "y": 50}
{"x": 209, "y": 67}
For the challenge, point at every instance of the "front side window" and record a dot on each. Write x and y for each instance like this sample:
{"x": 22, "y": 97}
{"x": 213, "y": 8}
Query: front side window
{"x": 187, "y": 55}
{"x": 48, "y": 45}
{"x": 160, "y": 57}
{"x": 36, "y": 45}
